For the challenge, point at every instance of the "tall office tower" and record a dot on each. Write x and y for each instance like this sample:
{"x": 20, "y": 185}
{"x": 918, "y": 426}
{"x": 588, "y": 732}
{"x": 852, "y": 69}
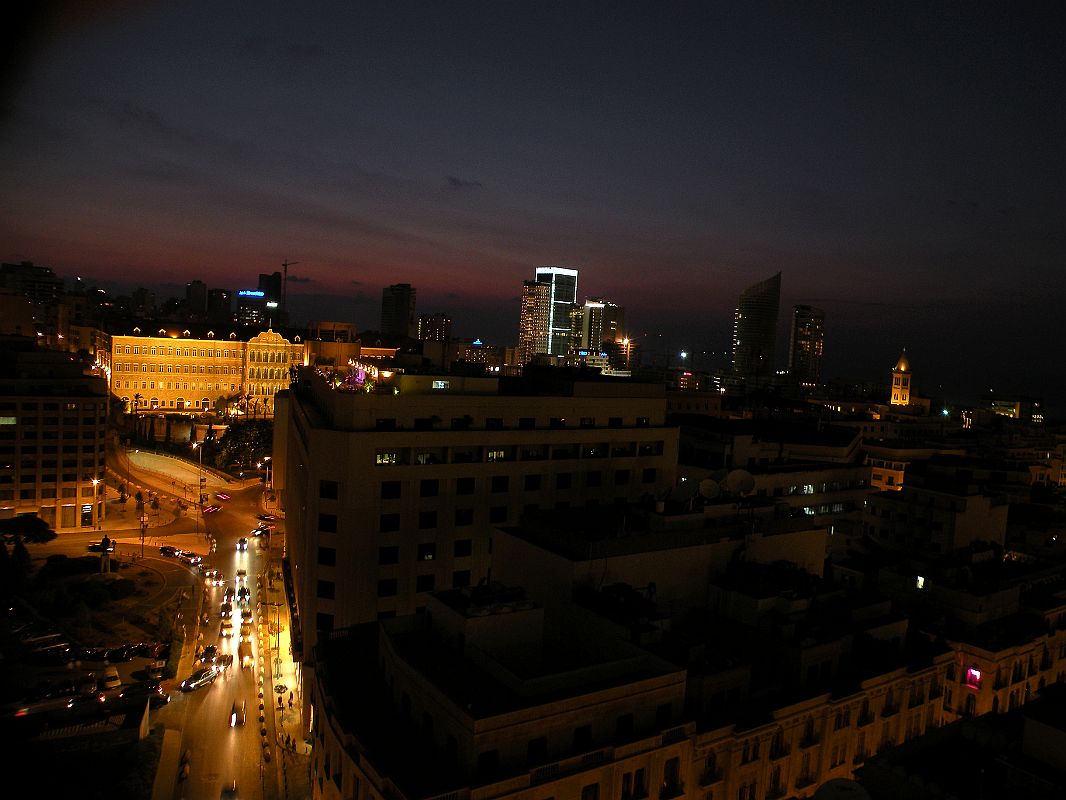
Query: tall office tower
{"x": 40, "y": 284}
{"x": 270, "y": 286}
{"x": 219, "y": 302}
{"x": 562, "y": 283}
{"x": 755, "y": 329}
{"x": 596, "y": 322}
{"x": 434, "y": 328}
{"x": 806, "y": 344}
{"x": 902, "y": 377}
{"x": 398, "y": 310}
{"x": 196, "y": 297}
{"x": 533, "y": 320}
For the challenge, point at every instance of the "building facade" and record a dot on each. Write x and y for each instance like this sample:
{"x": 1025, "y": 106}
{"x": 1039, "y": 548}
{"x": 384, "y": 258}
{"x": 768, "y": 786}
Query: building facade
{"x": 562, "y": 296}
{"x": 533, "y": 320}
{"x": 171, "y": 371}
{"x": 901, "y": 381}
{"x": 398, "y": 310}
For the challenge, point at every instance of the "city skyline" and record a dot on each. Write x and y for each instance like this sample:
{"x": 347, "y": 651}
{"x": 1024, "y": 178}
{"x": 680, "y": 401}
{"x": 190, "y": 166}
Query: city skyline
{"x": 900, "y": 170}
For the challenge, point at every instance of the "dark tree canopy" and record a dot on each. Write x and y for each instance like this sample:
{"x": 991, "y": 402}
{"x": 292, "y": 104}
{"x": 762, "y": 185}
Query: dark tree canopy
{"x": 245, "y": 442}
{"x": 28, "y": 527}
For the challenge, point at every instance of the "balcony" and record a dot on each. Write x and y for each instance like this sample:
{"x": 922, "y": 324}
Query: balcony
{"x": 671, "y": 790}
{"x": 936, "y": 692}
{"x": 809, "y": 740}
{"x": 864, "y": 719}
{"x": 775, "y": 792}
{"x": 777, "y": 753}
{"x": 890, "y": 710}
{"x": 709, "y": 777}
{"x": 804, "y": 780}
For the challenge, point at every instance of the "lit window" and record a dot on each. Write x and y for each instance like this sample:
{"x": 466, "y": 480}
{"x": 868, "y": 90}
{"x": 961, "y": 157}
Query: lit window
{"x": 440, "y": 384}
{"x": 973, "y": 678}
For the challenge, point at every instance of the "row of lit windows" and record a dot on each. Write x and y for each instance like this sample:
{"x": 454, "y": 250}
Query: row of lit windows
{"x": 34, "y": 406}
{"x": 501, "y": 453}
{"x": 263, "y": 356}
{"x": 183, "y": 368}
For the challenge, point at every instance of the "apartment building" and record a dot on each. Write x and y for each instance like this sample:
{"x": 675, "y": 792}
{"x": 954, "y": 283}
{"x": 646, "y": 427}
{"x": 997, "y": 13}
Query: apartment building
{"x": 393, "y": 493}
{"x": 53, "y": 424}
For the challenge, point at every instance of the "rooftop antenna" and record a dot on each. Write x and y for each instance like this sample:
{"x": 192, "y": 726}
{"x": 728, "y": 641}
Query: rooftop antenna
{"x": 285, "y": 285}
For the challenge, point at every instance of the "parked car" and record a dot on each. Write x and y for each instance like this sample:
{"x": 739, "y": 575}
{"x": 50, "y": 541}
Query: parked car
{"x": 137, "y": 693}
{"x": 88, "y": 705}
{"x": 56, "y": 655}
{"x": 123, "y": 652}
{"x": 201, "y": 677}
{"x": 108, "y": 679}
{"x": 93, "y": 653}
{"x": 157, "y": 650}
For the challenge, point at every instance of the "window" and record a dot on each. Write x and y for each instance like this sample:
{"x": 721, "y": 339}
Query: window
{"x": 563, "y": 480}
{"x": 390, "y": 554}
{"x": 327, "y": 523}
{"x": 464, "y": 486}
{"x": 527, "y": 423}
{"x": 464, "y": 516}
{"x": 582, "y": 738}
{"x": 389, "y": 523}
{"x": 388, "y": 457}
{"x": 590, "y": 792}
{"x": 462, "y": 548}
{"x": 532, "y": 483}
{"x": 425, "y": 583}
{"x": 427, "y": 519}
{"x": 390, "y": 490}
{"x": 326, "y": 590}
{"x": 614, "y": 422}
{"x": 621, "y": 477}
{"x": 593, "y": 478}
{"x": 427, "y": 551}
{"x": 461, "y": 578}
{"x": 324, "y": 622}
{"x": 648, "y": 475}
{"x": 499, "y": 483}
{"x": 623, "y": 726}
{"x": 557, "y": 422}
{"x": 387, "y": 587}
{"x": 328, "y": 490}
{"x": 429, "y": 487}
{"x": 537, "y": 751}
{"x": 494, "y": 423}
{"x": 327, "y": 556}
{"x": 498, "y": 514}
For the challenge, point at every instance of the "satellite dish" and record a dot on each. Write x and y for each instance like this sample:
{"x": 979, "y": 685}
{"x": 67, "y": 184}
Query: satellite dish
{"x": 739, "y": 481}
{"x": 719, "y": 475}
{"x": 709, "y": 488}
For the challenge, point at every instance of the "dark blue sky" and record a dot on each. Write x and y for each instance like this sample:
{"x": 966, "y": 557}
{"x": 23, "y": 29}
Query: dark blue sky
{"x": 902, "y": 165}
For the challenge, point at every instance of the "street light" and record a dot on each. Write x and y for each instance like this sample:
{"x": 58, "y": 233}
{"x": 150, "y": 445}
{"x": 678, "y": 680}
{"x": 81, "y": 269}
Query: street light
{"x": 96, "y": 502}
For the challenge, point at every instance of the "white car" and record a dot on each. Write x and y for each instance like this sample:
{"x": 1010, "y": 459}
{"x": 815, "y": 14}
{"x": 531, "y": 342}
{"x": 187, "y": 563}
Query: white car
{"x": 242, "y": 577}
{"x": 226, "y": 631}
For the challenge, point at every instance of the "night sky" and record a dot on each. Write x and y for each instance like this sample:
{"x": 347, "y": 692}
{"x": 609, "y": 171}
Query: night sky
{"x": 901, "y": 165}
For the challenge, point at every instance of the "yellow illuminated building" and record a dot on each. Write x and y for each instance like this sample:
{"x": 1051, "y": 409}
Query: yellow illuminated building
{"x": 901, "y": 381}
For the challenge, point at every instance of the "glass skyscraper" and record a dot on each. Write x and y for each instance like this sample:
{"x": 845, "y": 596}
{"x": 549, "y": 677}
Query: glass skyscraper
{"x": 755, "y": 330}
{"x": 562, "y": 295}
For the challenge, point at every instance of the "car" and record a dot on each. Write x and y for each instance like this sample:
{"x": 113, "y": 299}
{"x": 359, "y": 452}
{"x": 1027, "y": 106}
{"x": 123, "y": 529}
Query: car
{"x": 56, "y": 655}
{"x": 209, "y": 654}
{"x": 190, "y": 558}
{"x": 242, "y": 577}
{"x": 137, "y": 693}
{"x": 224, "y": 662}
{"x": 93, "y": 653}
{"x": 265, "y": 527}
{"x": 229, "y": 791}
{"x": 98, "y": 546}
{"x": 242, "y": 545}
{"x": 221, "y": 496}
{"x": 230, "y": 594}
{"x": 244, "y": 594}
{"x": 238, "y": 714}
{"x": 246, "y": 632}
{"x": 88, "y": 705}
{"x": 53, "y": 689}
{"x": 156, "y": 670}
{"x": 212, "y": 509}
{"x": 226, "y": 610}
{"x": 213, "y": 577}
{"x": 108, "y": 679}
{"x": 267, "y": 517}
{"x": 168, "y": 551}
{"x": 246, "y": 616}
{"x": 123, "y": 652}
{"x": 201, "y": 677}
{"x": 226, "y": 628}
{"x": 153, "y": 650}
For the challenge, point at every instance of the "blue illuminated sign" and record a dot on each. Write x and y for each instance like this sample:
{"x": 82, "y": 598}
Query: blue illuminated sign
{"x": 250, "y": 293}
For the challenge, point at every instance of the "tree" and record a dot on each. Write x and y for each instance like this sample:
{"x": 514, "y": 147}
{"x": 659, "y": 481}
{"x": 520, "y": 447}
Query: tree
{"x": 28, "y": 527}
{"x": 245, "y": 442}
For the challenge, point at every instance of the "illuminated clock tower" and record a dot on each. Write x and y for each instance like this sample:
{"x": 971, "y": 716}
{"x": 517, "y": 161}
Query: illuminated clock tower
{"x": 901, "y": 381}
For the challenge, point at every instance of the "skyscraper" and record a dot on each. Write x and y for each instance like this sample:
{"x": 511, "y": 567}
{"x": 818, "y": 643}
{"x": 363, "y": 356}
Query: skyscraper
{"x": 806, "y": 343}
{"x": 755, "y": 329}
{"x": 398, "y": 310}
{"x": 533, "y": 320}
{"x": 434, "y": 328}
{"x": 562, "y": 295}
{"x": 595, "y": 322}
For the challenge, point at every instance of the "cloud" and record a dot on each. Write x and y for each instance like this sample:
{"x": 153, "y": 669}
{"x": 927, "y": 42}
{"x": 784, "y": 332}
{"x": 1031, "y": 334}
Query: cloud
{"x": 461, "y": 184}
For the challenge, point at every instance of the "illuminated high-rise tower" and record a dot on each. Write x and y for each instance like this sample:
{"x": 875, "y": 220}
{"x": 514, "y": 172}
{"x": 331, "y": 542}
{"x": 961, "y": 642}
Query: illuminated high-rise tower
{"x": 562, "y": 295}
{"x": 533, "y": 320}
{"x": 755, "y": 329}
{"x": 806, "y": 344}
